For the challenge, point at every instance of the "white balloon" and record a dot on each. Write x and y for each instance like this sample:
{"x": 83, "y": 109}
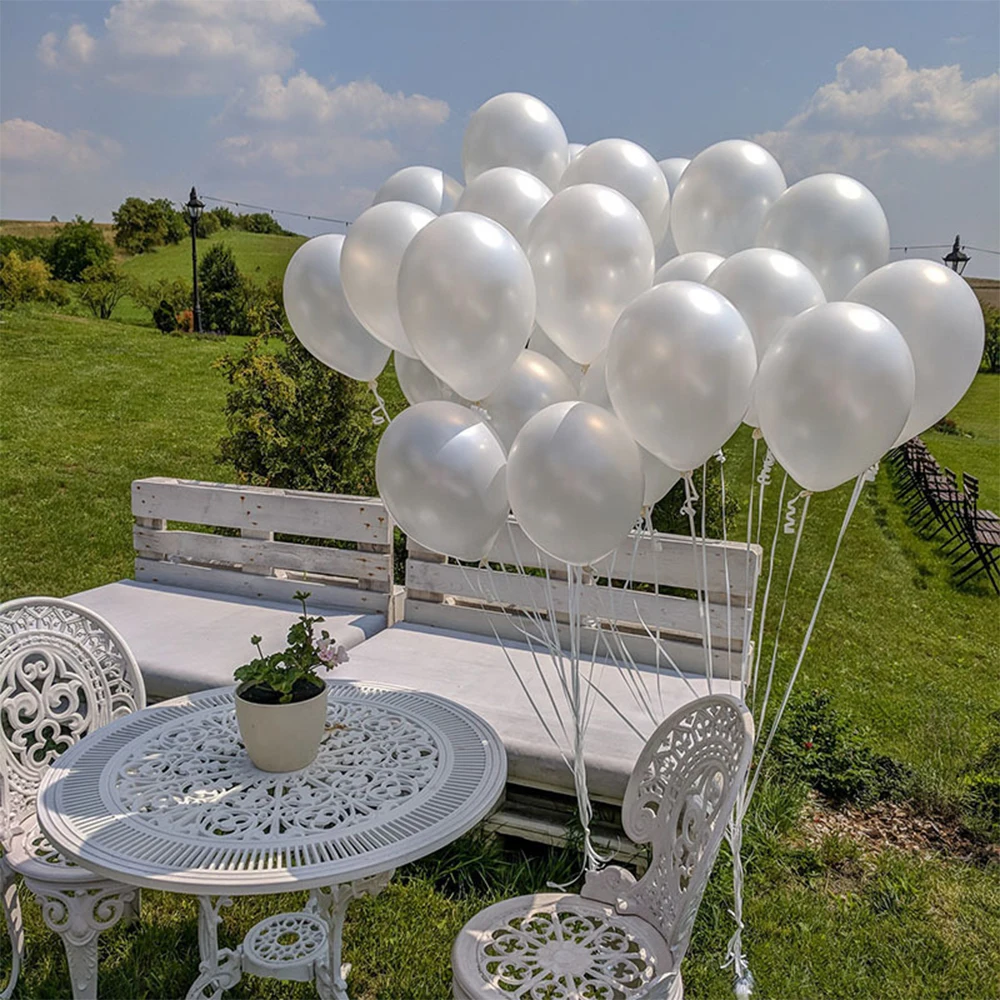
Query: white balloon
{"x": 541, "y": 342}
{"x": 426, "y": 186}
{"x": 941, "y": 321}
{"x": 834, "y": 225}
{"x": 575, "y": 481}
{"x": 722, "y": 197}
{"x": 442, "y": 473}
{"x": 768, "y": 287}
{"x": 672, "y": 168}
{"x": 515, "y": 130}
{"x": 533, "y": 383}
{"x": 833, "y": 392}
{"x": 467, "y": 301}
{"x": 591, "y": 254}
{"x": 629, "y": 169}
{"x": 419, "y": 384}
{"x": 319, "y": 313}
{"x": 694, "y": 266}
{"x": 658, "y": 478}
{"x": 506, "y": 195}
{"x": 575, "y": 149}
{"x": 369, "y": 267}
{"x": 680, "y": 365}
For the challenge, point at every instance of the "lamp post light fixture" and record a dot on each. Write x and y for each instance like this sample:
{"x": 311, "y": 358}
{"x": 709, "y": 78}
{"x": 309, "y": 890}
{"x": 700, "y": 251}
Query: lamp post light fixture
{"x": 957, "y": 258}
{"x": 194, "y": 207}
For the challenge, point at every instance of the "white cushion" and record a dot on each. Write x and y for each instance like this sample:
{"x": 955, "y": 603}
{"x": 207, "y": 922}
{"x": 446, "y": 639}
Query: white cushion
{"x": 189, "y": 640}
{"x": 474, "y": 671}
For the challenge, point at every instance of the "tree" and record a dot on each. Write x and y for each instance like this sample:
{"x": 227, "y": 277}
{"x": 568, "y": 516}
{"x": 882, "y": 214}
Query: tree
{"x": 991, "y": 348}
{"x": 293, "y": 423}
{"x": 261, "y": 222}
{"x": 208, "y": 225}
{"x": 225, "y": 216}
{"x": 102, "y": 287}
{"x": 142, "y": 225}
{"x": 221, "y": 290}
{"x": 78, "y": 245}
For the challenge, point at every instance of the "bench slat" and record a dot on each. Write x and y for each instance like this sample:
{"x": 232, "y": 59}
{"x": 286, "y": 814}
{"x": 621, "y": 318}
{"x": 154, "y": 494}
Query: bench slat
{"x": 688, "y": 656}
{"x": 676, "y": 614}
{"x": 665, "y": 559}
{"x": 262, "y": 588}
{"x": 199, "y": 547}
{"x": 292, "y": 512}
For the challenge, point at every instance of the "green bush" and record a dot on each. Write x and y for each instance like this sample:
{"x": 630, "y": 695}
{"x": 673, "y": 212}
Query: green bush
{"x": 23, "y": 280}
{"x": 226, "y": 217}
{"x": 818, "y": 745}
{"x": 293, "y": 423}
{"x": 142, "y": 225}
{"x": 261, "y": 222}
{"x": 102, "y": 287}
{"x": 208, "y": 225}
{"x": 174, "y": 292}
{"x": 991, "y": 347}
{"x": 221, "y": 290}
{"x": 77, "y": 246}
{"x": 27, "y": 247}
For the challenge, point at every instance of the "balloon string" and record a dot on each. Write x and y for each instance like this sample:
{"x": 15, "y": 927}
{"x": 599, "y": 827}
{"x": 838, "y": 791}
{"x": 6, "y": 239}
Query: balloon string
{"x": 380, "y": 415}
{"x": 852, "y": 504}
{"x": 690, "y": 496}
{"x": 767, "y": 589}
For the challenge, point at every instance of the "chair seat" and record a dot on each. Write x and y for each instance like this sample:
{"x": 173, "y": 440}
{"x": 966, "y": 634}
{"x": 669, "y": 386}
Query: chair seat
{"x": 190, "y": 640}
{"x": 32, "y": 856}
{"x": 560, "y": 945}
{"x": 474, "y": 670}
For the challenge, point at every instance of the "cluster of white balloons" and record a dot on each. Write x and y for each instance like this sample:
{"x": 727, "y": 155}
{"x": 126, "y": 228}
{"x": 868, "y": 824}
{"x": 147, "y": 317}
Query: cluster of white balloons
{"x": 581, "y": 325}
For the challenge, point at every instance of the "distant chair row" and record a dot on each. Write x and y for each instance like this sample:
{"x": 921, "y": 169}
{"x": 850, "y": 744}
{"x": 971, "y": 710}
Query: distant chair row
{"x": 938, "y": 505}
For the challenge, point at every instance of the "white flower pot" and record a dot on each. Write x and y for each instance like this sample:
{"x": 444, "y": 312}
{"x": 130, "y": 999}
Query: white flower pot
{"x": 282, "y": 737}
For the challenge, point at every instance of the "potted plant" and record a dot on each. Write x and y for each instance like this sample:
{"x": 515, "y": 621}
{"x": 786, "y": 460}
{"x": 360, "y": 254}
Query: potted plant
{"x": 280, "y": 699}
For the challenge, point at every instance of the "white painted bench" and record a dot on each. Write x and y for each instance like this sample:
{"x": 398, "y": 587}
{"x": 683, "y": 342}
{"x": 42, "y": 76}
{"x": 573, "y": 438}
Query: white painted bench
{"x": 446, "y": 644}
{"x": 197, "y": 598}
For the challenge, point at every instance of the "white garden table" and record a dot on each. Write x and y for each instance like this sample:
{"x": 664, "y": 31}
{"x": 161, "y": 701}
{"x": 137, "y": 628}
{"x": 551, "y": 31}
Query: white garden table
{"x": 167, "y": 798}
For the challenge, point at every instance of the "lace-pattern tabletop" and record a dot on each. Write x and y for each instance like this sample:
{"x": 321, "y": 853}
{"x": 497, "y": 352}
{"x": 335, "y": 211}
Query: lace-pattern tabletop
{"x": 168, "y": 798}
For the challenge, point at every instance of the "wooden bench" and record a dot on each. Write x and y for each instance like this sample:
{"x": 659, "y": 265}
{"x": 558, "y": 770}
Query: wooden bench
{"x": 197, "y": 597}
{"x": 463, "y": 637}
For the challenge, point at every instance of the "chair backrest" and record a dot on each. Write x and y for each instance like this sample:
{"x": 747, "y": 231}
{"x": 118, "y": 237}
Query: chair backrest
{"x": 679, "y": 798}
{"x": 662, "y": 573}
{"x": 64, "y": 672}
{"x": 357, "y": 574}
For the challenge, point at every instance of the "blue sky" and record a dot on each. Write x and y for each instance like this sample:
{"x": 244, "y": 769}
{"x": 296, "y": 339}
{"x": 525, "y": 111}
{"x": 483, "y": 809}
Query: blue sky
{"x": 309, "y": 106}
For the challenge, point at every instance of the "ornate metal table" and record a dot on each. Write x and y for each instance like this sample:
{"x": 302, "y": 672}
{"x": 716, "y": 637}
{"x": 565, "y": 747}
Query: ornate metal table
{"x": 167, "y": 798}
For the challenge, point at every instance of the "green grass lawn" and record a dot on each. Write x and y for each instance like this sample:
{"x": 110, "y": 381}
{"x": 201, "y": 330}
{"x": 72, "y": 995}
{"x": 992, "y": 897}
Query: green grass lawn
{"x": 87, "y": 407}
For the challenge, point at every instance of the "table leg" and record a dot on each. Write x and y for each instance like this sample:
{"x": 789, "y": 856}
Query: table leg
{"x": 331, "y": 903}
{"x": 220, "y": 968}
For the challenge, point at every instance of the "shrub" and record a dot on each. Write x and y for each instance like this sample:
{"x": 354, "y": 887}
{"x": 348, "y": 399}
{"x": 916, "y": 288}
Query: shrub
{"x": 208, "y": 225}
{"x": 27, "y": 247}
{"x": 818, "y": 745}
{"x": 78, "y": 245}
{"x": 175, "y": 293}
{"x": 226, "y": 217}
{"x": 293, "y": 423}
{"x": 58, "y": 292}
{"x": 185, "y": 321}
{"x": 991, "y": 348}
{"x": 261, "y": 222}
{"x": 102, "y": 287}
{"x": 23, "y": 280}
{"x": 221, "y": 288}
{"x": 164, "y": 317}
{"x": 143, "y": 225}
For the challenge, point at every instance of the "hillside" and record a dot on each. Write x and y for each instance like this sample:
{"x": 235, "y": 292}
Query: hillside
{"x": 31, "y": 229}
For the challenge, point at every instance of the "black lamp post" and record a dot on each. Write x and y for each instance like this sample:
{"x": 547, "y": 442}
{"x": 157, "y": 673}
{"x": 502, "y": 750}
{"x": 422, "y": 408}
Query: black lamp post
{"x": 194, "y": 209}
{"x": 958, "y": 258}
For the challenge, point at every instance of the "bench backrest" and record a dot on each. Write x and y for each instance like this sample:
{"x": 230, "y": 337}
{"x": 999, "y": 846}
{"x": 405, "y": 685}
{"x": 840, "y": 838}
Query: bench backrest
{"x": 252, "y": 562}
{"x": 662, "y": 573}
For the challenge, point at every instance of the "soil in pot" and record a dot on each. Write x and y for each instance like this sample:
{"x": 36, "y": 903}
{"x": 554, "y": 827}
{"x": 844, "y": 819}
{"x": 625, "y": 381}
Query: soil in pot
{"x": 302, "y": 690}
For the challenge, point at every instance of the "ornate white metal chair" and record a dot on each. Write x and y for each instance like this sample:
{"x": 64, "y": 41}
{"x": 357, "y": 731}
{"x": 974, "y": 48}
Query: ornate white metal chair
{"x": 63, "y": 673}
{"x": 622, "y": 939}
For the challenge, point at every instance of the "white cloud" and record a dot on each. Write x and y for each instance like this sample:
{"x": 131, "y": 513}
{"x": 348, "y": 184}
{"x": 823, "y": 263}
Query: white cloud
{"x": 188, "y": 47}
{"x": 27, "y": 144}
{"x": 304, "y": 128}
{"x": 878, "y": 107}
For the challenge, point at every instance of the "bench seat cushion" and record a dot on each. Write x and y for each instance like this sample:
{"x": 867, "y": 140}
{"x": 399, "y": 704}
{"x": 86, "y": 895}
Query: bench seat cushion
{"x": 189, "y": 640}
{"x": 474, "y": 671}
